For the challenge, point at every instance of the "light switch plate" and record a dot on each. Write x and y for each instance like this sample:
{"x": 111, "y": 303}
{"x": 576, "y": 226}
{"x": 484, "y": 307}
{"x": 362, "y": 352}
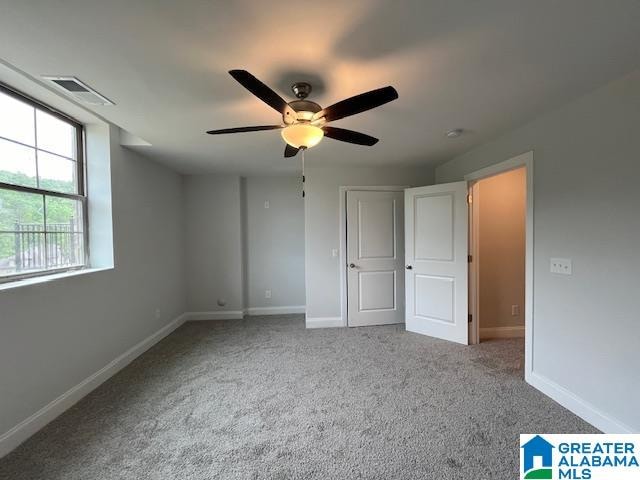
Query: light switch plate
{"x": 266, "y": 204}
{"x": 561, "y": 266}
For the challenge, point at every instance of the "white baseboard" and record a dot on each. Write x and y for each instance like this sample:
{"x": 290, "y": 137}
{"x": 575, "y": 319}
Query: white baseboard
{"x": 21, "y": 432}
{"x": 275, "y": 310}
{"x": 219, "y": 315}
{"x": 575, "y": 404}
{"x": 502, "y": 332}
{"x": 239, "y": 314}
{"x": 324, "y": 322}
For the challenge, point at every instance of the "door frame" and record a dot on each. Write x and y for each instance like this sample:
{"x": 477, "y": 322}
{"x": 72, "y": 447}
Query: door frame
{"x": 523, "y": 160}
{"x": 343, "y": 238}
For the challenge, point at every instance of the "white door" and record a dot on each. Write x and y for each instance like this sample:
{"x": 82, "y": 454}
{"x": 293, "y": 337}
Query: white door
{"x": 375, "y": 258}
{"x": 436, "y": 230}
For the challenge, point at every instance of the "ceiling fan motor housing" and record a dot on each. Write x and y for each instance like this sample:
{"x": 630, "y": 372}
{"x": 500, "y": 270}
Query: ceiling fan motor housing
{"x": 304, "y": 109}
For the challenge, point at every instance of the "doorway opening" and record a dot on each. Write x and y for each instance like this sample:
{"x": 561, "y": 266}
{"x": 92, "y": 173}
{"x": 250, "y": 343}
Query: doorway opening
{"x": 497, "y": 266}
{"x": 524, "y": 160}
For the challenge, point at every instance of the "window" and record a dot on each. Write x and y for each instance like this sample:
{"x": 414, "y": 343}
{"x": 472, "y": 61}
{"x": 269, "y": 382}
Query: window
{"x": 43, "y": 215}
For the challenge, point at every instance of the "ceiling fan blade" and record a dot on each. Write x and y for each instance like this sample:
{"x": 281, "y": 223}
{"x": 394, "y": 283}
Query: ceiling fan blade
{"x": 261, "y": 91}
{"x": 244, "y": 129}
{"x": 290, "y": 151}
{"x": 358, "y": 104}
{"x": 349, "y": 136}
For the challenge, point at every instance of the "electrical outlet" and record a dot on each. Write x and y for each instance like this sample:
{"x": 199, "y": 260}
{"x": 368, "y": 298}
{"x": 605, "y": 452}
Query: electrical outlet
{"x": 267, "y": 294}
{"x": 157, "y": 314}
{"x": 266, "y": 204}
{"x": 515, "y": 310}
{"x": 562, "y": 266}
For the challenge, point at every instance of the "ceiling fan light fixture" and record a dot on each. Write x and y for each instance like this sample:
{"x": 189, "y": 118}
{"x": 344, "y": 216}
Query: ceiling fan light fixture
{"x": 302, "y": 135}
{"x": 304, "y": 122}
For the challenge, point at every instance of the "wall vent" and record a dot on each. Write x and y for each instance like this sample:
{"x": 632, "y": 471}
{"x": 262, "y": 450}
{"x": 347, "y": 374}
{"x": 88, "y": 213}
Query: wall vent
{"x": 78, "y": 90}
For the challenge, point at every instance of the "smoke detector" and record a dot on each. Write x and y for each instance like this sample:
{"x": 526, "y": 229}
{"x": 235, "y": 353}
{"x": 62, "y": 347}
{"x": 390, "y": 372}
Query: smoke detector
{"x": 78, "y": 90}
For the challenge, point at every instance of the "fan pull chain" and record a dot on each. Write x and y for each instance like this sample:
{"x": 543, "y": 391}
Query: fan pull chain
{"x": 303, "y": 178}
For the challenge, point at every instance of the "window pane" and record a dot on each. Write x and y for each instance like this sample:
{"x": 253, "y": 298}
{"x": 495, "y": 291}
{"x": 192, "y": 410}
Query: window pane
{"x": 7, "y": 254}
{"x": 64, "y": 249}
{"x": 21, "y": 211}
{"x": 17, "y": 164}
{"x": 16, "y": 120}
{"x": 38, "y": 232}
{"x": 63, "y": 215}
{"x": 21, "y": 252}
{"x": 55, "y": 135}
{"x": 56, "y": 173}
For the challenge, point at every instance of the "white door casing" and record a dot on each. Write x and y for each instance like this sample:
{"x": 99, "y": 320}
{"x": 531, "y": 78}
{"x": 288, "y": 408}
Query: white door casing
{"x": 436, "y": 232}
{"x": 375, "y": 257}
{"x": 474, "y": 264}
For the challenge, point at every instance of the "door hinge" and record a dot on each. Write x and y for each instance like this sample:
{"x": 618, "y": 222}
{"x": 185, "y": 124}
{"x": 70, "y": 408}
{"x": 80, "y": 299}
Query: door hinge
{"x": 469, "y": 199}
{"x": 470, "y": 318}
{"x": 469, "y": 258}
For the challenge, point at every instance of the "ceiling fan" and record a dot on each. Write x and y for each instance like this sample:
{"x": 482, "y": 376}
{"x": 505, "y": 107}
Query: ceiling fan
{"x": 304, "y": 123}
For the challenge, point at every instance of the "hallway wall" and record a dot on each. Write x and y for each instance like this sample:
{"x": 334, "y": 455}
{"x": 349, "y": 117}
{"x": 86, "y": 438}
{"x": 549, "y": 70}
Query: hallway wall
{"x": 501, "y": 202}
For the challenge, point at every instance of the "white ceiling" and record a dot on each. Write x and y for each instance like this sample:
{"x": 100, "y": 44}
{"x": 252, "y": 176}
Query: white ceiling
{"x": 485, "y": 66}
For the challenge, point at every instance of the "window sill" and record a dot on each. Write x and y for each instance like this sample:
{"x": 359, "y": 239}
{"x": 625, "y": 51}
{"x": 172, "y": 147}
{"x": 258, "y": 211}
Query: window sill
{"x": 25, "y": 282}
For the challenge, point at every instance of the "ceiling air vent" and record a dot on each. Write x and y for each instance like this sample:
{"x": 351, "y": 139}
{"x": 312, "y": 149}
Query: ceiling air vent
{"x": 78, "y": 90}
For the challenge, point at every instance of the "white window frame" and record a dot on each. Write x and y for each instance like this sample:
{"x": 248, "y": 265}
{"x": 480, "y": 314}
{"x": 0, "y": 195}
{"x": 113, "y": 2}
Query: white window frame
{"x": 81, "y": 183}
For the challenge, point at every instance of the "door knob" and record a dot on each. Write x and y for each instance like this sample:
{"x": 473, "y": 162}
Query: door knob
{"x": 352, "y": 265}
{"x": 408, "y": 267}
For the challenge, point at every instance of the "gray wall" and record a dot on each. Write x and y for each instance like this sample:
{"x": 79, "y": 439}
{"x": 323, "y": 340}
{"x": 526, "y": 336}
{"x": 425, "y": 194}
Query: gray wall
{"x": 212, "y": 212}
{"x": 275, "y": 241}
{"x": 236, "y": 249}
{"x": 586, "y": 201}
{"x": 501, "y": 201}
{"x": 56, "y": 334}
{"x": 322, "y": 226}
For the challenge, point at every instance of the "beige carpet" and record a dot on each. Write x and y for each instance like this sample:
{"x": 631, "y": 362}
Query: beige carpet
{"x": 264, "y": 398}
